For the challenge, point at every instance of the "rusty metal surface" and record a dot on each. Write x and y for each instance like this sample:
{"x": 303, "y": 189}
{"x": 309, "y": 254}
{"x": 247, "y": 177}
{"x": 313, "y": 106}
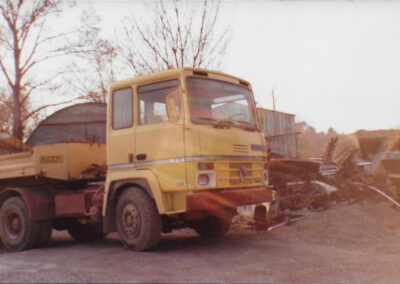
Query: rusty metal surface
{"x": 39, "y": 203}
{"x": 94, "y": 171}
{"x": 288, "y": 170}
{"x": 86, "y": 202}
{"x": 375, "y": 141}
{"x": 381, "y": 148}
{"x": 279, "y": 130}
{"x": 93, "y": 199}
{"x": 391, "y": 162}
{"x": 85, "y": 123}
{"x": 70, "y": 204}
{"x": 329, "y": 151}
{"x": 214, "y": 201}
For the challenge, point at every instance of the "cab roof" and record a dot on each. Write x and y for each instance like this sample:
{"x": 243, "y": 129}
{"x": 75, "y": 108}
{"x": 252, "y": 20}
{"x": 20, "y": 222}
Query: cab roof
{"x": 178, "y": 71}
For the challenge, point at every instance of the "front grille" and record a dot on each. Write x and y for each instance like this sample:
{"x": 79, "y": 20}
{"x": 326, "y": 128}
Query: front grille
{"x": 229, "y": 173}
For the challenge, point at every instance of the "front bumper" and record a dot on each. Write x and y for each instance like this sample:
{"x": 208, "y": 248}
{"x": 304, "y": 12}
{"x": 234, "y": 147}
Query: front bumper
{"x": 215, "y": 200}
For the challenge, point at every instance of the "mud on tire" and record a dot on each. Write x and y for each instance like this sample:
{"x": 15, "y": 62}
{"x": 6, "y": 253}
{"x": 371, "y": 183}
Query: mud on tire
{"x": 138, "y": 221}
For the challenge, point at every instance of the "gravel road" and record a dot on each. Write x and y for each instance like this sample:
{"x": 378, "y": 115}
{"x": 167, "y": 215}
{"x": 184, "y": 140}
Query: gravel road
{"x": 347, "y": 243}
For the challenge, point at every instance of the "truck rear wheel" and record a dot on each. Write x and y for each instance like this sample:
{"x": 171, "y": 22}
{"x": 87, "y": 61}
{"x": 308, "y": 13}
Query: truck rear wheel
{"x": 85, "y": 232}
{"x": 17, "y": 231}
{"x": 211, "y": 227}
{"x": 138, "y": 221}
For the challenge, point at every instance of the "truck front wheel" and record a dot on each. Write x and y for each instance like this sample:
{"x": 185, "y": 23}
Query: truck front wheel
{"x": 138, "y": 221}
{"x": 17, "y": 231}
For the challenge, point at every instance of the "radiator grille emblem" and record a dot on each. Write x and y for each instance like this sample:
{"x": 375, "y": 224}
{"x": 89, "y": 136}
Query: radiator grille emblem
{"x": 242, "y": 173}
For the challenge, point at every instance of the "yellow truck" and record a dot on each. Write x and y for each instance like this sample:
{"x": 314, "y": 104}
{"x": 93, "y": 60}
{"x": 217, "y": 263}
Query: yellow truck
{"x": 178, "y": 148}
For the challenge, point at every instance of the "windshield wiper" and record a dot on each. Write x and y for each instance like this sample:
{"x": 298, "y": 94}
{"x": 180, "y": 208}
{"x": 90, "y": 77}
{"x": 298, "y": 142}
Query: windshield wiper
{"x": 221, "y": 123}
{"x": 228, "y": 122}
{"x": 215, "y": 122}
{"x": 206, "y": 119}
{"x": 246, "y": 125}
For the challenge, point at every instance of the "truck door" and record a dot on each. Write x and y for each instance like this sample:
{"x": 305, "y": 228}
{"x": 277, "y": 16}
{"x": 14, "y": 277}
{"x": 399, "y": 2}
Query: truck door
{"x": 120, "y": 136}
{"x": 159, "y": 138}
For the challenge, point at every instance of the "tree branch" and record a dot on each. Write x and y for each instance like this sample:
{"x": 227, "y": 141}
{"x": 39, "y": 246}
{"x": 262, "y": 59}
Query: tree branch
{"x": 29, "y": 115}
{"x": 4, "y": 70}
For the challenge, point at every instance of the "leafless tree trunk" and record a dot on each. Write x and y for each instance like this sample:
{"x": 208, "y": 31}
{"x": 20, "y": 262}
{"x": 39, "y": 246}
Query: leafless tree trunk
{"x": 175, "y": 34}
{"x": 25, "y": 44}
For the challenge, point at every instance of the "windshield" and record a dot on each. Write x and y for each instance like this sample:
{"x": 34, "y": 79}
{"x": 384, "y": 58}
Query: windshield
{"x": 220, "y": 103}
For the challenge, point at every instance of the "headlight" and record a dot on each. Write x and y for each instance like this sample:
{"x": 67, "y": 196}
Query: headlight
{"x": 203, "y": 179}
{"x": 206, "y": 179}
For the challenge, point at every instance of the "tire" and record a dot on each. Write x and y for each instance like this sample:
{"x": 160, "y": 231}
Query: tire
{"x": 137, "y": 219}
{"x": 211, "y": 227}
{"x": 85, "y": 232}
{"x": 17, "y": 231}
{"x": 44, "y": 232}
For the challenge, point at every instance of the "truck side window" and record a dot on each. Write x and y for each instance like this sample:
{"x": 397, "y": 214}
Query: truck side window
{"x": 122, "y": 108}
{"x": 152, "y": 101}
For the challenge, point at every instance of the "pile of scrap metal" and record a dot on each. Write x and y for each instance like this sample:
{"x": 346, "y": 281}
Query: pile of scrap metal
{"x": 297, "y": 182}
{"x": 371, "y": 162}
{"x": 374, "y": 163}
{"x": 370, "y": 166}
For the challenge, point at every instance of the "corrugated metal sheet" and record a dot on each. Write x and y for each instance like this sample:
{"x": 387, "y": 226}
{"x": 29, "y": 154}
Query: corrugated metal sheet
{"x": 84, "y": 123}
{"x": 279, "y": 130}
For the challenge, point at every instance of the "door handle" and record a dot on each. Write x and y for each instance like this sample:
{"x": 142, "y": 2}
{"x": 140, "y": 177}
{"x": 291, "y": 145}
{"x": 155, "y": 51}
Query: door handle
{"x": 130, "y": 157}
{"x": 141, "y": 157}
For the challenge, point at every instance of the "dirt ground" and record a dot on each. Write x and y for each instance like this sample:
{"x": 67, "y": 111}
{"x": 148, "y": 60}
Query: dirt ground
{"x": 357, "y": 243}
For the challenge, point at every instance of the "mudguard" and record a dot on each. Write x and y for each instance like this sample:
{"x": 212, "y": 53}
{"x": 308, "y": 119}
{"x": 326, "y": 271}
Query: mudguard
{"x": 39, "y": 202}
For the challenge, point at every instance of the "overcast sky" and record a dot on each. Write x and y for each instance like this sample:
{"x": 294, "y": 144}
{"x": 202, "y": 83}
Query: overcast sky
{"x": 332, "y": 63}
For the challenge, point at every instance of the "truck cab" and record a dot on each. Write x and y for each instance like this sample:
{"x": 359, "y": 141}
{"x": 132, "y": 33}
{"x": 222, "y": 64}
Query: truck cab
{"x": 190, "y": 140}
{"x": 179, "y": 148}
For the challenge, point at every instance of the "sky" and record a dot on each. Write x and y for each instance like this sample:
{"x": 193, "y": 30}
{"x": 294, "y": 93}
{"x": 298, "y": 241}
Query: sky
{"x": 331, "y": 63}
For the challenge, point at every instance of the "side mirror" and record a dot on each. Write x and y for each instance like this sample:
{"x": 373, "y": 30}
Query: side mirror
{"x": 171, "y": 110}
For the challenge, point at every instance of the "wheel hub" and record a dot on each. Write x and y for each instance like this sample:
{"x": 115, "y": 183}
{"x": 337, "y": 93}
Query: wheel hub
{"x": 14, "y": 226}
{"x": 131, "y": 222}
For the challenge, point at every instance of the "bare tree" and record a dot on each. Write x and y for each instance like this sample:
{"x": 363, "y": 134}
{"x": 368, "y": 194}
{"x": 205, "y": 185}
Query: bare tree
{"x": 175, "y": 34}
{"x": 94, "y": 71}
{"x": 5, "y": 113}
{"x": 26, "y": 43}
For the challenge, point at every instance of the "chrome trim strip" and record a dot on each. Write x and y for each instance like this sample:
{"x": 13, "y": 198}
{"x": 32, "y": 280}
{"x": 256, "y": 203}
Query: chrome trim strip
{"x": 121, "y": 166}
{"x": 224, "y": 158}
{"x": 188, "y": 159}
{"x": 160, "y": 162}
